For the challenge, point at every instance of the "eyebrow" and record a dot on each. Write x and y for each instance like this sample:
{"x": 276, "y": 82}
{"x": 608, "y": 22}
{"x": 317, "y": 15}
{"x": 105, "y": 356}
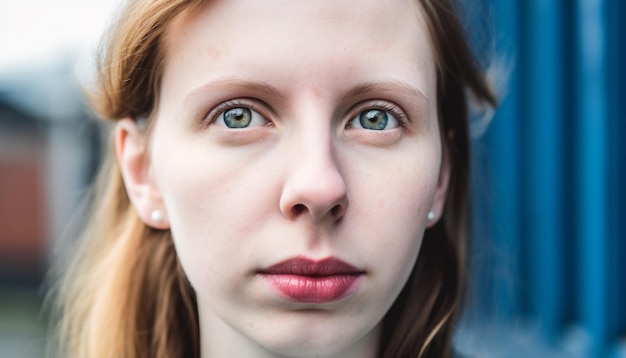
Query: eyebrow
{"x": 249, "y": 86}
{"x": 385, "y": 86}
{"x": 395, "y": 86}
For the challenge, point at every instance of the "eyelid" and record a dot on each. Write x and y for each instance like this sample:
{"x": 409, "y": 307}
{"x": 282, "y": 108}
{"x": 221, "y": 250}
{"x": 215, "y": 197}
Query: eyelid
{"x": 249, "y": 103}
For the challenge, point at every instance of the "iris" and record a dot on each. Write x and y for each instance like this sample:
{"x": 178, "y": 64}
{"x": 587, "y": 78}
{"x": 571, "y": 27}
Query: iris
{"x": 237, "y": 117}
{"x": 374, "y": 119}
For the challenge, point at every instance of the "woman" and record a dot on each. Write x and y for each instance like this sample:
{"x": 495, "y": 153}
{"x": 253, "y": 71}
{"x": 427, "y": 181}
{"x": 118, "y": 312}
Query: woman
{"x": 285, "y": 179}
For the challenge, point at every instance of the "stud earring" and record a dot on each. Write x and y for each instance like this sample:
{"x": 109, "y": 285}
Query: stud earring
{"x": 156, "y": 216}
{"x": 431, "y": 216}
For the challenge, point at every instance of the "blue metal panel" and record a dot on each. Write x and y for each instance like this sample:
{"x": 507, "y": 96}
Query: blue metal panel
{"x": 616, "y": 58}
{"x": 558, "y": 167}
{"x": 591, "y": 154}
{"x": 540, "y": 129}
{"x": 503, "y": 134}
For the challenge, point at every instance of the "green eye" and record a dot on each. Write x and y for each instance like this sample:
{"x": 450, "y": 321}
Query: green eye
{"x": 237, "y": 117}
{"x": 374, "y": 119}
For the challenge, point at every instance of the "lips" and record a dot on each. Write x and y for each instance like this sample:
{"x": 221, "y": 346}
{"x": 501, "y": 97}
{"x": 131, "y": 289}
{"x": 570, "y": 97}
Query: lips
{"x": 308, "y": 281}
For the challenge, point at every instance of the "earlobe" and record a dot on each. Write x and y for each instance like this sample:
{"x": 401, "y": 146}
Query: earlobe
{"x": 134, "y": 163}
{"x": 439, "y": 199}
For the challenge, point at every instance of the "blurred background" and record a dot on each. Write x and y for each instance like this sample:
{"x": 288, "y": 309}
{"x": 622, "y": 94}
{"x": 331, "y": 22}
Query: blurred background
{"x": 49, "y": 150}
{"x": 547, "y": 253}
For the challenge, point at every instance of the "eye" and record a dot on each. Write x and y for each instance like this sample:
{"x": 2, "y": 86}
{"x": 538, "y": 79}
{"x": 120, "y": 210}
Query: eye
{"x": 240, "y": 117}
{"x": 374, "y": 119}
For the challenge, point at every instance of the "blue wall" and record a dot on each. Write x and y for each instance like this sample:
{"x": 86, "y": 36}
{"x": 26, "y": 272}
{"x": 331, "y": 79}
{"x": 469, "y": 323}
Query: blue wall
{"x": 550, "y": 171}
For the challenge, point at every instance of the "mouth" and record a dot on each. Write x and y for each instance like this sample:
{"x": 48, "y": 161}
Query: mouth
{"x": 307, "y": 281}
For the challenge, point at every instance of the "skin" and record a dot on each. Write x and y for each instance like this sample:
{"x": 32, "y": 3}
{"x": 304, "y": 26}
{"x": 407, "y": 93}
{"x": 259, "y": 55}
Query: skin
{"x": 303, "y": 179}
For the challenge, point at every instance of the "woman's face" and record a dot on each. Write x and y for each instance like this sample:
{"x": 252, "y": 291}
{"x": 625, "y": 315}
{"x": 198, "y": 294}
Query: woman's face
{"x": 296, "y": 154}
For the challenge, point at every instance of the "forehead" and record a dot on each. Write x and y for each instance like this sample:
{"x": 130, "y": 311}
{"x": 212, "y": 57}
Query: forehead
{"x": 294, "y": 41}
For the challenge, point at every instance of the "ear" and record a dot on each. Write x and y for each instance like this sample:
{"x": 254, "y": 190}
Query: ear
{"x": 142, "y": 189}
{"x": 439, "y": 199}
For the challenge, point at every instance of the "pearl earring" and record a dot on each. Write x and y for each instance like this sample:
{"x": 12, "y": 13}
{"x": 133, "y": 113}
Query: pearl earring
{"x": 431, "y": 216}
{"x": 156, "y": 216}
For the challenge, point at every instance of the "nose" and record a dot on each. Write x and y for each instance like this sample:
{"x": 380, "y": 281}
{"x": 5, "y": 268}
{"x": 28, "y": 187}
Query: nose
{"x": 314, "y": 186}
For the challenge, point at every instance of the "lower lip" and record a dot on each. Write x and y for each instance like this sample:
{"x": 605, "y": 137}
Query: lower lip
{"x": 312, "y": 289}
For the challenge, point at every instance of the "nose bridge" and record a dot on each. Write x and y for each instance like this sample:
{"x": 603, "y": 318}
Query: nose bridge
{"x": 315, "y": 184}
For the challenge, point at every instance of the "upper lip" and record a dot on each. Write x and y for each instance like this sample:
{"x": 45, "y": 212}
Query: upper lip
{"x": 307, "y": 267}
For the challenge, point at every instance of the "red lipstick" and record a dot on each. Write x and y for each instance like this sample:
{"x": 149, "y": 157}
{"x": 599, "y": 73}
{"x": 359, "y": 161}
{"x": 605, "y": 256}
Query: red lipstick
{"x": 308, "y": 281}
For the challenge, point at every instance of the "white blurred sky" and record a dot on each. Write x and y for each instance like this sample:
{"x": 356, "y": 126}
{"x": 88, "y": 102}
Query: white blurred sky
{"x": 34, "y": 33}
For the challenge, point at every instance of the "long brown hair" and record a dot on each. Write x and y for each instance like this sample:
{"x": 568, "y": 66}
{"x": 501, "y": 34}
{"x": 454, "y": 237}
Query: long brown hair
{"x": 124, "y": 293}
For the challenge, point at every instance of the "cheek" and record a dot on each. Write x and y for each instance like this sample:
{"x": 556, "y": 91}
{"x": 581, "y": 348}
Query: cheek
{"x": 390, "y": 199}
{"x": 189, "y": 206}
{"x": 186, "y": 186}
{"x": 215, "y": 202}
{"x": 397, "y": 188}
{"x": 395, "y": 226}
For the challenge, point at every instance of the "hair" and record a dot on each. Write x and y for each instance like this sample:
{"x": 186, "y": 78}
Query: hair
{"x": 124, "y": 293}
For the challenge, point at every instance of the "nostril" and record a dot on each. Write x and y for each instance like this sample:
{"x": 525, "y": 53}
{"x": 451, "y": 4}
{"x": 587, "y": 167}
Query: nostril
{"x": 335, "y": 210}
{"x": 298, "y": 209}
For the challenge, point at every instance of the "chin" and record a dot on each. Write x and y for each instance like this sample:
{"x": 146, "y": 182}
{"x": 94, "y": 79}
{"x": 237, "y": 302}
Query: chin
{"x": 321, "y": 343}
{"x": 310, "y": 347}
